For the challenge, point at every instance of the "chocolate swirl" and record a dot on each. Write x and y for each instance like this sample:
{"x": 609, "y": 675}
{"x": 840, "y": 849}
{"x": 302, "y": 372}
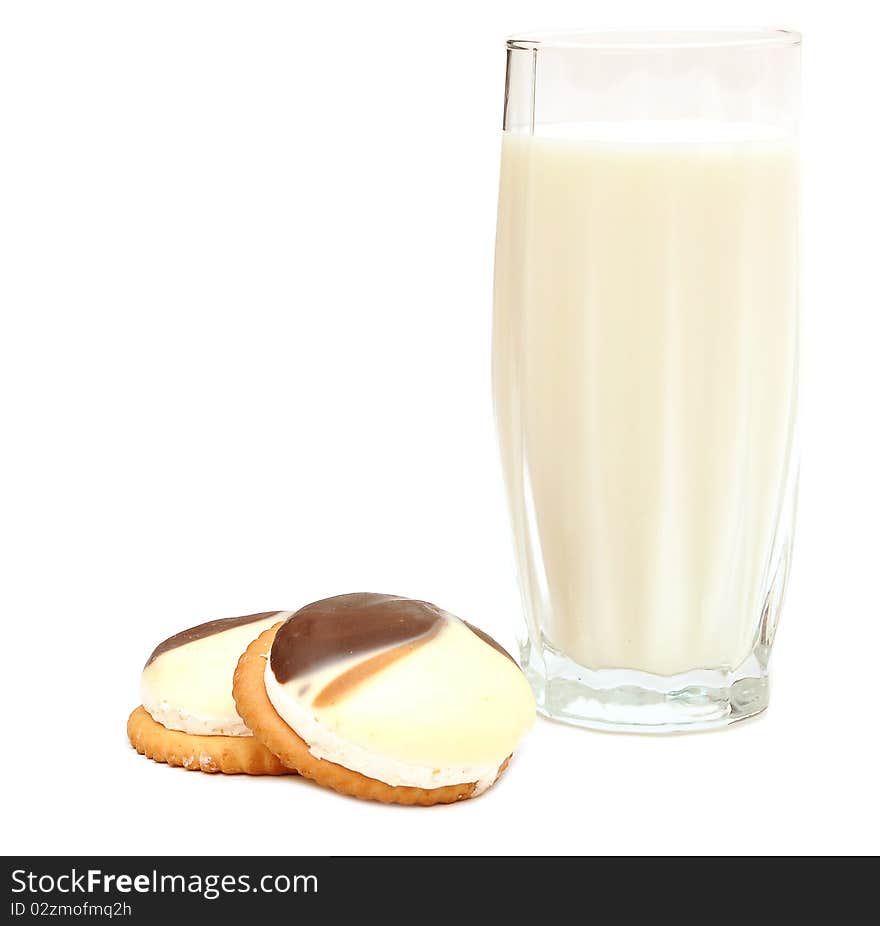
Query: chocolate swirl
{"x": 339, "y": 628}
{"x": 206, "y": 630}
{"x": 346, "y": 625}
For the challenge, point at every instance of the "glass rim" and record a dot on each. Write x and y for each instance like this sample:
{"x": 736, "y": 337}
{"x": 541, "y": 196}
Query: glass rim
{"x": 652, "y": 40}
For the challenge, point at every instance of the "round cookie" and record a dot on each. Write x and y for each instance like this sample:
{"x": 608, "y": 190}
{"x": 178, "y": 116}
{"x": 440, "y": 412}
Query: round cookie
{"x": 231, "y": 755}
{"x": 187, "y": 717}
{"x": 385, "y": 698}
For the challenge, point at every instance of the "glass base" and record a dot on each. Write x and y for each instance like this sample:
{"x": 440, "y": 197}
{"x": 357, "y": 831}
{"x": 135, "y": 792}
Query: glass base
{"x": 629, "y": 701}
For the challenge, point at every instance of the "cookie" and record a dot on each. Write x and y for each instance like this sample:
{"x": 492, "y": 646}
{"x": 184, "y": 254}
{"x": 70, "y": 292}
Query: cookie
{"x": 231, "y": 755}
{"x": 187, "y": 717}
{"x": 385, "y": 698}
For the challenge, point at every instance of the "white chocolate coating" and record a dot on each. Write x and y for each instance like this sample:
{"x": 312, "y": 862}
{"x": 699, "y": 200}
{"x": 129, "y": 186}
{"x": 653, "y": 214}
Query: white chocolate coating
{"x": 448, "y": 712}
{"x": 189, "y": 687}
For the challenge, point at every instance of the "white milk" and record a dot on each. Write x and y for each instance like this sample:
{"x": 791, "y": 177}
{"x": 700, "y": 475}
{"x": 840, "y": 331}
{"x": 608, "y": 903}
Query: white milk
{"x": 644, "y": 370}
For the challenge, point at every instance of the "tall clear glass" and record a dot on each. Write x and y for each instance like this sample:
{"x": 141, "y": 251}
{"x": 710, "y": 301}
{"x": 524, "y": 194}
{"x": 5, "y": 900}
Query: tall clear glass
{"x": 645, "y": 367}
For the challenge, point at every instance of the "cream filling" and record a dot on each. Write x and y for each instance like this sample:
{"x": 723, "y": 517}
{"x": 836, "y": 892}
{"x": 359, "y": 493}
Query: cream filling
{"x": 324, "y": 743}
{"x": 176, "y": 718}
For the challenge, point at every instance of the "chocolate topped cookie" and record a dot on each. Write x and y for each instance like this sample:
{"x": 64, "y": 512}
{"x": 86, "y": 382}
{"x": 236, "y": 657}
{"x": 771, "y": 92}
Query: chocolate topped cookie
{"x": 187, "y": 715}
{"x": 388, "y": 691}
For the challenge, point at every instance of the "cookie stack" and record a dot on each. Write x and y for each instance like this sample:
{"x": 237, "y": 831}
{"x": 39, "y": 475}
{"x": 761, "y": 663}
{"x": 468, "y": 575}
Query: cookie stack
{"x": 375, "y": 696}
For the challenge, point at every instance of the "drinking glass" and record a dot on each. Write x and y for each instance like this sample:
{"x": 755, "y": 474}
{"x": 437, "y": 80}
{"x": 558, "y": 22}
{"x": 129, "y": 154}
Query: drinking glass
{"x": 645, "y": 354}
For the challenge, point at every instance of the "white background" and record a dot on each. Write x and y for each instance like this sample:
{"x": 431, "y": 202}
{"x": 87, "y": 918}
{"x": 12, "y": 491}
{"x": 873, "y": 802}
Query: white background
{"x": 246, "y": 267}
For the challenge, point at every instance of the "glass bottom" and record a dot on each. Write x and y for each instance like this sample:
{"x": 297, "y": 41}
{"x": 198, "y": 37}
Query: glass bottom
{"x": 629, "y": 701}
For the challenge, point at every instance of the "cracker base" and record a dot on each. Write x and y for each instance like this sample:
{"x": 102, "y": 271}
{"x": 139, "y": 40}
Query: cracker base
{"x": 229, "y": 755}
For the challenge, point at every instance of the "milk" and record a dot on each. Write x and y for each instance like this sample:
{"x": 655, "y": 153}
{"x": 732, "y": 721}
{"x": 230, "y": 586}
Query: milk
{"x": 645, "y": 375}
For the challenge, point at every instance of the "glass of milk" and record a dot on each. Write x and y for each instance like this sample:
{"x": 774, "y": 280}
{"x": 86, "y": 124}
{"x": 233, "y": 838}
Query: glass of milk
{"x": 645, "y": 367}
